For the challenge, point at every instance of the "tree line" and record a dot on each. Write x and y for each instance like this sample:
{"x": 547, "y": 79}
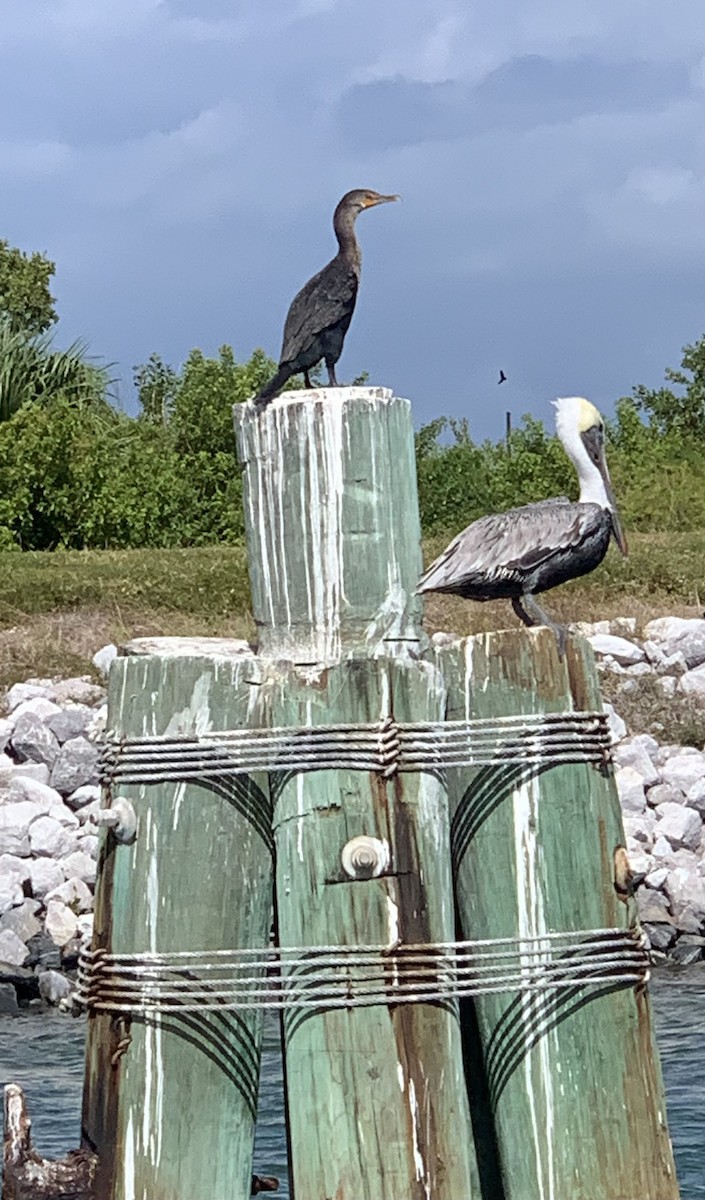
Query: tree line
{"x": 77, "y": 472}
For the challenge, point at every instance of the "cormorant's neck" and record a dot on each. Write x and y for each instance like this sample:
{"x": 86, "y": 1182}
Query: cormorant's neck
{"x": 344, "y": 226}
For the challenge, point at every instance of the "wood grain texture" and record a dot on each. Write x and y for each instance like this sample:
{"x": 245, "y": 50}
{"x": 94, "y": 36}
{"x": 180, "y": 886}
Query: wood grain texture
{"x": 173, "y": 1114}
{"x": 331, "y": 513}
{"x": 573, "y": 1093}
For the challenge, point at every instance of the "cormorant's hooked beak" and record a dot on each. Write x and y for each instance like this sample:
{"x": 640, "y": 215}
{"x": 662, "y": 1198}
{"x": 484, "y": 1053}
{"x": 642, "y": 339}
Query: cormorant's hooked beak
{"x": 617, "y": 531}
{"x": 381, "y": 200}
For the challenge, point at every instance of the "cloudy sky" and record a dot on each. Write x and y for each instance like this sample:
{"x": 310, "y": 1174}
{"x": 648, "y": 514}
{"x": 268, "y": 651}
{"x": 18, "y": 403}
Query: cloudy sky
{"x": 181, "y": 160}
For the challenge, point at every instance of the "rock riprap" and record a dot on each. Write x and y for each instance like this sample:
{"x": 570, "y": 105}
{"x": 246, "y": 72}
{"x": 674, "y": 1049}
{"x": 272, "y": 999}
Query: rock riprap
{"x": 49, "y": 798}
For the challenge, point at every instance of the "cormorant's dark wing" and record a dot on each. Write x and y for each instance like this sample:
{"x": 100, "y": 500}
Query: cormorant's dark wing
{"x": 325, "y": 301}
{"x": 507, "y": 548}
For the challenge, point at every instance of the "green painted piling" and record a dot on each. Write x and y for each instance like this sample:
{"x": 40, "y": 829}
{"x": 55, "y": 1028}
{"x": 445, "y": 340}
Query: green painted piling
{"x": 376, "y": 1098}
{"x": 331, "y": 514}
{"x": 170, "y": 1099}
{"x": 574, "y": 1093}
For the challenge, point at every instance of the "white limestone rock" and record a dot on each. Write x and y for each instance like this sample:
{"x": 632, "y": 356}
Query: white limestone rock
{"x": 85, "y": 926}
{"x": 664, "y": 793}
{"x": 630, "y": 787}
{"x": 640, "y": 862}
{"x": 11, "y": 892}
{"x": 89, "y": 843}
{"x": 32, "y": 741}
{"x": 80, "y": 865}
{"x": 12, "y": 949}
{"x": 31, "y": 770}
{"x": 53, "y": 986}
{"x": 588, "y": 629}
{"x": 686, "y": 892}
{"x": 661, "y": 848}
{"x": 104, "y": 658}
{"x": 99, "y": 723}
{"x": 70, "y": 722}
{"x": 14, "y": 828}
{"x": 60, "y": 922}
{"x": 684, "y": 769}
{"x": 6, "y": 727}
{"x": 624, "y": 627}
{"x": 48, "y": 838}
{"x": 623, "y": 652}
{"x": 38, "y": 707}
{"x": 657, "y": 878}
{"x": 19, "y": 692}
{"x": 44, "y": 875}
{"x": 634, "y": 752}
{"x": 616, "y": 725}
{"x": 79, "y": 690}
{"x": 12, "y": 864}
{"x": 695, "y": 797}
{"x": 678, "y": 635}
{"x": 680, "y": 825}
{"x": 76, "y": 765}
{"x": 692, "y": 683}
{"x": 89, "y": 793}
{"x": 23, "y": 787}
{"x": 640, "y": 827}
{"x": 23, "y": 919}
{"x": 74, "y": 893}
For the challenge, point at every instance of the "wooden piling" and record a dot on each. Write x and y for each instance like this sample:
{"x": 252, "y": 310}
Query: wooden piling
{"x": 331, "y": 513}
{"x": 376, "y": 1099}
{"x": 170, "y": 1098}
{"x": 573, "y": 1084}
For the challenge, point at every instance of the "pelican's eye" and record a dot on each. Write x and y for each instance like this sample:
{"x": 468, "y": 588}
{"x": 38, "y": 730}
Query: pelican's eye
{"x": 594, "y": 441}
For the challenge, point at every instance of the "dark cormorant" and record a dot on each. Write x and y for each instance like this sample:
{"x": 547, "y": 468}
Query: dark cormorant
{"x": 512, "y": 555}
{"x": 502, "y": 376}
{"x": 319, "y": 316}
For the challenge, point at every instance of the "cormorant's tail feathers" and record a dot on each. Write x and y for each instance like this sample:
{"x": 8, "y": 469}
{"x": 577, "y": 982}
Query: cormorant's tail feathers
{"x": 274, "y": 386}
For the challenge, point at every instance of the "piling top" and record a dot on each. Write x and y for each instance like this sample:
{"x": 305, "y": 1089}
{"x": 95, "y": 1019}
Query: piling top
{"x": 183, "y": 647}
{"x": 332, "y": 520}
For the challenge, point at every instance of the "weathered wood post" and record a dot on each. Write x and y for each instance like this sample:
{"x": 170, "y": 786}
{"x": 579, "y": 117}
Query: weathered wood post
{"x": 573, "y": 1083}
{"x": 376, "y": 1099}
{"x": 171, "y": 1094}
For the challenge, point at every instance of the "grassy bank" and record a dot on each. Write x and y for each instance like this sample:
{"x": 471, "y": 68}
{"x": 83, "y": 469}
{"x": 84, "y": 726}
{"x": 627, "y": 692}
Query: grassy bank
{"x": 57, "y": 609}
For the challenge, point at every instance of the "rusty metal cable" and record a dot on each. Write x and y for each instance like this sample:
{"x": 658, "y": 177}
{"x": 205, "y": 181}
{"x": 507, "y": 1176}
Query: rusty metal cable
{"x": 384, "y": 747}
{"x": 335, "y": 977}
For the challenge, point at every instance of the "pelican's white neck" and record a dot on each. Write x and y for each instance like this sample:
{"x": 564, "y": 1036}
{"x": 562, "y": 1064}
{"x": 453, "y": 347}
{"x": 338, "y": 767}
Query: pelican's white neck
{"x": 573, "y": 414}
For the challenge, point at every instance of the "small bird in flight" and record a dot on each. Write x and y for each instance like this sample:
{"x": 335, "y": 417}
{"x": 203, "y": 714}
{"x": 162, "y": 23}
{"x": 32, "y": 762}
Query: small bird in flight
{"x": 502, "y": 376}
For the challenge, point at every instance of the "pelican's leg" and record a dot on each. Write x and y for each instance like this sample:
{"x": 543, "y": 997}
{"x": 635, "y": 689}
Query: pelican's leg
{"x": 528, "y": 606}
{"x": 521, "y": 612}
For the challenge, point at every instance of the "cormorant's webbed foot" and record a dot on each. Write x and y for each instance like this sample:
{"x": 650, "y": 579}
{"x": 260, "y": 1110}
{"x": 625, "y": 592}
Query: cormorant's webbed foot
{"x": 530, "y": 612}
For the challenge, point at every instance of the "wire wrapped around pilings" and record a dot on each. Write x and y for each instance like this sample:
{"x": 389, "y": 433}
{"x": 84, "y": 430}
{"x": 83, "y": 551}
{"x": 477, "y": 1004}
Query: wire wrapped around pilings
{"x": 384, "y": 748}
{"x": 335, "y": 977}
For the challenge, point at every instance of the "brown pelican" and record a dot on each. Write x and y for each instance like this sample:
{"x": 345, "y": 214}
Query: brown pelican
{"x": 515, "y": 554}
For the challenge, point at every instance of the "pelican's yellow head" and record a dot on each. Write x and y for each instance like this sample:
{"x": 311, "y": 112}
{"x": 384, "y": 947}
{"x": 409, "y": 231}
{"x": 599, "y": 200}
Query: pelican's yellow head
{"x": 578, "y": 414}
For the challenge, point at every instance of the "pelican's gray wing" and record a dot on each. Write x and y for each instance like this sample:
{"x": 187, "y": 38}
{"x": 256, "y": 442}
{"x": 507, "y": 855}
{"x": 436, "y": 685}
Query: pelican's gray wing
{"x": 511, "y": 548}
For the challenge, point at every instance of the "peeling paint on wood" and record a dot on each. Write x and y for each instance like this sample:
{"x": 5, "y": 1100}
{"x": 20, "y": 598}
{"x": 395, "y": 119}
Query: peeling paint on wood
{"x": 574, "y": 1086}
{"x": 170, "y": 1100}
{"x": 329, "y": 480}
{"x": 377, "y": 1104}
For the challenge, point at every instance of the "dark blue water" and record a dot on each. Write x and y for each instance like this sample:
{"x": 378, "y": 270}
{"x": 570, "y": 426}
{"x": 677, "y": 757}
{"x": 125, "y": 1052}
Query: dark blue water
{"x": 44, "y": 1054}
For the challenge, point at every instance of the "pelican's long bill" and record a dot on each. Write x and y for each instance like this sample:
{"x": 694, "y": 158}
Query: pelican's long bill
{"x": 594, "y": 441}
